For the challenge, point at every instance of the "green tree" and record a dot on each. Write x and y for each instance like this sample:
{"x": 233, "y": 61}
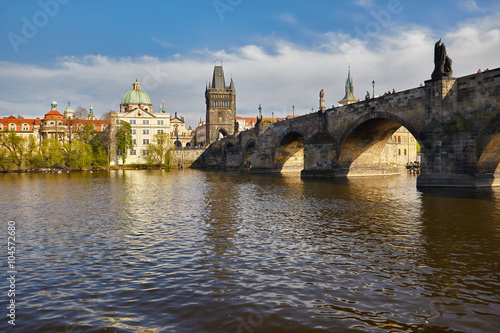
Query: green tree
{"x": 159, "y": 149}
{"x": 5, "y": 161}
{"x": 34, "y": 157}
{"x": 123, "y": 138}
{"x": 79, "y": 154}
{"x": 15, "y": 147}
{"x": 52, "y": 153}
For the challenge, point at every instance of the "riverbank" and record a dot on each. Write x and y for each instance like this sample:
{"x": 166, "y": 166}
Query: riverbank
{"x": 106, "y": 168}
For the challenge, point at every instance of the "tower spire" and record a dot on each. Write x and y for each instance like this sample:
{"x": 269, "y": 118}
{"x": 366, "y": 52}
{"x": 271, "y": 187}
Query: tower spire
{"x": 349, "y": 90}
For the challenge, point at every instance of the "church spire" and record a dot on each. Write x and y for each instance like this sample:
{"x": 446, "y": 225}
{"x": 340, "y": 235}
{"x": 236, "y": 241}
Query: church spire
{"x": 349, "y": 90}
{"x": 91, "y": 111}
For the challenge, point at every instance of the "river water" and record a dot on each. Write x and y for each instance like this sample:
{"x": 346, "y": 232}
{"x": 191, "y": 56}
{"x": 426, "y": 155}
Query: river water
{"x": 194, "y": 251}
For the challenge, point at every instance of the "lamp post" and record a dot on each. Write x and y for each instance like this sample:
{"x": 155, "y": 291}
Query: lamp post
{"x": 293, "y": 111}
{"x": 373, "y": 84}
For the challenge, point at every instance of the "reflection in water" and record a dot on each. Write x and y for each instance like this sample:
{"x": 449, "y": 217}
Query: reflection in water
{"x": 191, "y": 251}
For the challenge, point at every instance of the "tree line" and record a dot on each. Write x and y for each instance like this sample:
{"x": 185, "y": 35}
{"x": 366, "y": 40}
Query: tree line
{"x": 84, "y": 148}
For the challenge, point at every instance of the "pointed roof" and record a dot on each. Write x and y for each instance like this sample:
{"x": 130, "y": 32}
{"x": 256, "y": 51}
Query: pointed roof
{"x": 218, "y": 81}
{"x": 349, "y": 90}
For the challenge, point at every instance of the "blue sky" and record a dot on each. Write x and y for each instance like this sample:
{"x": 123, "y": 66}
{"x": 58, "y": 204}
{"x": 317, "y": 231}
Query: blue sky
{"x": 280, "y": 53}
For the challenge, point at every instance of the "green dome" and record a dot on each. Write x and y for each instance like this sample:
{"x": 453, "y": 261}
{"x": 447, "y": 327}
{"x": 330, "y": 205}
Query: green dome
{"x": 136, "y": 95}
{"x": 68, "y": 110}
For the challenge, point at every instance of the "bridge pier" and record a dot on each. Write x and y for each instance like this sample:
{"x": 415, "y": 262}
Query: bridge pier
{"x": 458, "y": 180}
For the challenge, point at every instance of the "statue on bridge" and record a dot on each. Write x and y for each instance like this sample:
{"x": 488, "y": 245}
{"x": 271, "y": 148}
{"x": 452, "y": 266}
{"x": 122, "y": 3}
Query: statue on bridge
{"x": 442, "y": 63}
{"x": 322, "y": 100}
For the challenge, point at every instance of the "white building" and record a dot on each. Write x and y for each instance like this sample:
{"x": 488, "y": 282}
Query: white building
{"x": 136, "y": 109}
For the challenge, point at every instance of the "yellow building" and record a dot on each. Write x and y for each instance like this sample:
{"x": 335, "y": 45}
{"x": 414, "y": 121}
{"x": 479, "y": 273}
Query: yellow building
{"x": 408, "y": 149}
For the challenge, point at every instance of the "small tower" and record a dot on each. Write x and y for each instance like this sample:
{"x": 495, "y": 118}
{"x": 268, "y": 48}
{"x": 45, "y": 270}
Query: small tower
{"x": 69, "y": 113}
{"x": 91, "y": 112}
{"x": 349, "y": 90}
{"x": 220, "y": 107}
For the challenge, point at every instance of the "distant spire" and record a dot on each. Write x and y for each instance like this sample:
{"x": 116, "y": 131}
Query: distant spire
{"x": 231, "y": 85}
{"x": 91, "y": 113}
{"x": 349, "y": 90}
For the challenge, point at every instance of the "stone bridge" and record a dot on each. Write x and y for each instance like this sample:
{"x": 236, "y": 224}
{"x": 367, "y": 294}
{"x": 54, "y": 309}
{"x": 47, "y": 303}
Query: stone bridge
{"x": 456, "y": 121}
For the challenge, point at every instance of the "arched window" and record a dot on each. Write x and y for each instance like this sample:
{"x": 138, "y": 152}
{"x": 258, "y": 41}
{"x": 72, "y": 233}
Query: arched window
{"x": 399, "y": 140}
{"x": 405, "y": 152}
{"x": 399, "y": 152}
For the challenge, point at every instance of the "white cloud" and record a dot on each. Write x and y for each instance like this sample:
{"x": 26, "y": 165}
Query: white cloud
{"x": 470, "y": 6}
{"x": 364, "y": 3}
{"x": 276, "y": 74}
{"x": 162, "y": 42}
{"x": 288, "y": 18}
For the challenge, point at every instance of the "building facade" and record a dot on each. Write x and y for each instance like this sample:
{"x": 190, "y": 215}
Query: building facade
{"x": 62, "y": 127}
{"x": 137, "y": 110}
{"x": 220, "y": 103}
{"x": 23, "y": 127}
{"x": 181, "y": 136}
{"x": 408, "y": 150}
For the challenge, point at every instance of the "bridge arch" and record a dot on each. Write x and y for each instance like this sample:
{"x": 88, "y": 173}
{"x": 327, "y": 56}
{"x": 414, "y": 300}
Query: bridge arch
{"x": 488, "y": 142}
{"x": 378, "y": 115}
{"x": 289, "y": 153}
{"x": 366, "y": 148}
{"x": 247, "y": 155}
{"x": 221, "y": 133}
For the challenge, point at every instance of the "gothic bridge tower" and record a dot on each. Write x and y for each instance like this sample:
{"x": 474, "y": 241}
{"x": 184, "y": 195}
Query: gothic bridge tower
{"x": 221, "y": 107}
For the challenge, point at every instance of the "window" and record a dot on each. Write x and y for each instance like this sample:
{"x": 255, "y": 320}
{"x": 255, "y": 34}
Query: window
{"x": 52, "y": 123}
{"x": 134, "y": 142}
{"x": 144, "y": 152}
{"x": 132, "y": 152}
{"x": 405, "y": 152}
{"x": 399, "y": 140}
{"x": 132, "y": 122}
{"x": 160, "y": 131}
{"x": 160, "y": 122}
{"x": 118, "y": 152}
{"x": 145, "y": 131}
{"x": 145, "y": 121}
{"x": 399, "y": 152}
{"x": 405, "y": 140}
{"x": 145, "y": 141}
{"x": 133, "y": 131}
{"x": 26, "y": 127}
